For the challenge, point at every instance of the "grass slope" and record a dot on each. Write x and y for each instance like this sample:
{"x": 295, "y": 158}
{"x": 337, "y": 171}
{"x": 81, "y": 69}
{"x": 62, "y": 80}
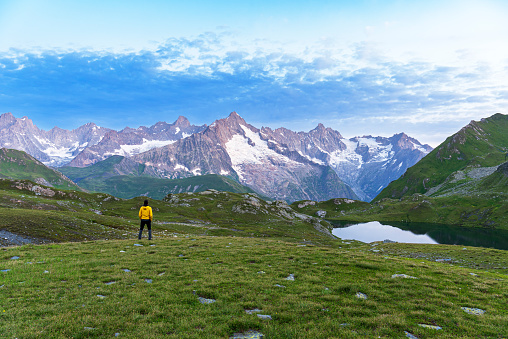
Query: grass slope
{"x": 479, "y": 144}
{"x": 82, "y": 290}
{"x": 16, "y": 164}
{"x": 105, "y": 177}
{"x": 56, "y": 215}
{"x": 235, "y": 249}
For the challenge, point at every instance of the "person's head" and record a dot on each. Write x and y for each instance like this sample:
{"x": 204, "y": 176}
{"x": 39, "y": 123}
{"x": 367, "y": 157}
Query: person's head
{"x": 146, "y": 202}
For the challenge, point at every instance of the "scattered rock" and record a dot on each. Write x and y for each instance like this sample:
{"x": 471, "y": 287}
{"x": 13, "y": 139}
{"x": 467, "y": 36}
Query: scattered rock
{"x": 126, "y": 270}
{"x": 46, "y": 271}
{"x": 15, "y": 258}
{"x": 321, "y": 213}
{"x": 264, "y": 316}
{"x": 5, "y": 270}
{"x": 281, "y": 286}
{"x": 161, "y": 274}
{"x": 111, "y": 283}
{"x": 206, "y": 301}
{"x": 409, "y": 335}
{"x": 474, "y": 311}
{"x": 306, "y": 203}
{"x": 291, "y": 277}
{"x": 247, "y": 335}
{"x": 388, "y": 241}
{"x": 405, "y": 276}
{"x": 100, "y": 296}
{"x": 474, "y": 274}
{"x": 89, "y": 328}
{"x": 361, "y": 295}
{"x": 148, "y": 281}
{"x": 261, "y": 272}
{"x": 431, "y": 326}
{"x": 138, "y": 245}
{"x": 256, "y": 310}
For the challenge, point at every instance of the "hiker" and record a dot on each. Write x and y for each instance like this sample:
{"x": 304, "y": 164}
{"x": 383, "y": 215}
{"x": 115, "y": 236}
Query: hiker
{"x": 145, "y": 215}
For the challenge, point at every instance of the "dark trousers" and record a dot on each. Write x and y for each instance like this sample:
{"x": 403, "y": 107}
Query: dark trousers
{"x": 148, "y": 224}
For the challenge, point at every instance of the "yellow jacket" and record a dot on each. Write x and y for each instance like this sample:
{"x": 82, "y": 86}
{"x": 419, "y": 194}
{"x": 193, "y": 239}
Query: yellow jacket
{"x": 145, "y": 212}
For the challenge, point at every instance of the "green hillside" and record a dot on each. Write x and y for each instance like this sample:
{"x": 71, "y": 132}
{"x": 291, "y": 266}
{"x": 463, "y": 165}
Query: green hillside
{"x": 481, "y": 144}
{"x": 105, "y": 177}
{"x": 216, "y": 255}
{"x": 16, "y": 164}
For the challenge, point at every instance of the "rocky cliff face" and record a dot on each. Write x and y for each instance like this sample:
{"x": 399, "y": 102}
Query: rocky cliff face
{"x": 131, "y": 141}
{"x": 367, "y": 163}
{"x": 234, "y": 148}
{"x": 53, "y": 148}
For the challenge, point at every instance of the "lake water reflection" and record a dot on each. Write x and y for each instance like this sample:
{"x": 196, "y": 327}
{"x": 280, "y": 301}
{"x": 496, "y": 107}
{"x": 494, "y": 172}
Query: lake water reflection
{"x": 422, "y": 233}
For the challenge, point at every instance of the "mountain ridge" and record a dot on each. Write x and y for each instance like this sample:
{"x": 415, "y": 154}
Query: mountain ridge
{"x": 234, "y": 148}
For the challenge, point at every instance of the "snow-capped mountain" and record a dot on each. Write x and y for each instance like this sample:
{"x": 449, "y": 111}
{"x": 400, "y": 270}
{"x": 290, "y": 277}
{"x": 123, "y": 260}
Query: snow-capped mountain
{"x": 129, "y": 141}
{"x": 53, "y": 148}
{"x": 89, "y": 143}
{"x": 234, "y": 148}
{"x": 367, "y": 164}
{"x": 283, "y": 164}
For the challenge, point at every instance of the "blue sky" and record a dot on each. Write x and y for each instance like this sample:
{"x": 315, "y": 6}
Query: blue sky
{"x": 361, "y": 67}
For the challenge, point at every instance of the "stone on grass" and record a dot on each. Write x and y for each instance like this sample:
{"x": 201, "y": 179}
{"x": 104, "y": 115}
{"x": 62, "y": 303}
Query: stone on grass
{"x": 5, "y": 270}
{"x": 361, "y": 295}
{"x": 281, "y": 286}
{"x": 138, "y": 245}
{"x": 161, "y": 274}
{"x": 409, "y": 335}
{"x": 473, "y": 274}
{"x": 111, "y": 283}
{"x": 261, "y": 272}
{"x": 474, "y": 311}
{"x": 431, "y": 326}
{"x": 126, "y": 270}
{"x": 100, "y": 296}
{"x": 15, "y": 257}
{"x": 264, "y": 316}
{"x": 256, "y": 310}
{"x": 148, "y": 281}
{"x": 206, "y": 301}
{"x": 291, "y": 277}
{"x": 405, "y": 276}
{"x": 247, "y": 335}
{"x": 89, "y": 328}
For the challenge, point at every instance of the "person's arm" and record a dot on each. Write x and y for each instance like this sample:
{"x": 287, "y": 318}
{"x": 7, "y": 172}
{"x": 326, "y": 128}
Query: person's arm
{"x": 140, "y": 213}
{"x": 151, "y": 214}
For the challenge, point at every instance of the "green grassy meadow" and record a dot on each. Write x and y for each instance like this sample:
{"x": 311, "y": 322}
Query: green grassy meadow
{"x": 239, "y": 250}
{"x": 81, "y": 290}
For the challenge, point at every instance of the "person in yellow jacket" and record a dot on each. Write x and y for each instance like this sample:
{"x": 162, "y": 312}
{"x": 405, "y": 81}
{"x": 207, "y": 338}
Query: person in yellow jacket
{"x": 145, "y": 215}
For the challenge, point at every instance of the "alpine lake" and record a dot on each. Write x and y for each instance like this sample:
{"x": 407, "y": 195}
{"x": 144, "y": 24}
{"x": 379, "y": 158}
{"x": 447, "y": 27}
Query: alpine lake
{"x": 421, "y": 233}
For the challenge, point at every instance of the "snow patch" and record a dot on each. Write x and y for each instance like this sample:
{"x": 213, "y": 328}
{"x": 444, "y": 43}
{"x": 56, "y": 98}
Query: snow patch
{"x": 130, "y": 150}
{"x": 256, "y": 152}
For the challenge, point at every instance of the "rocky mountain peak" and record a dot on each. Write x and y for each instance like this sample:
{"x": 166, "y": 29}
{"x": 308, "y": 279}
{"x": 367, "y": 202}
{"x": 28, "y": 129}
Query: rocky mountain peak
{"x": 7, "y": 119}
{"x": 182, "y": 122}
